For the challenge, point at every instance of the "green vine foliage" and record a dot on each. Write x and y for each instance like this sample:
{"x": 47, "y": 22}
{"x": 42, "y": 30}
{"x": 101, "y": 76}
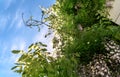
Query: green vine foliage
{"x": 82, "y": 28}
{"x": 36, "y": 62}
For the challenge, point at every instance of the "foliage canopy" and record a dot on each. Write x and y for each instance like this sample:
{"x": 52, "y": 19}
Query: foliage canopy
{"x": 81, "y": 30}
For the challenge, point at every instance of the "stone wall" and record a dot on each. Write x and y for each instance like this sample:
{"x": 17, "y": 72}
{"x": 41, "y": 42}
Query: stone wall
{"x": 114, "y": 12}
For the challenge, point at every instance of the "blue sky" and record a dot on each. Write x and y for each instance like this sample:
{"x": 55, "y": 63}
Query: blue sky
{"x": 14, "y": 34}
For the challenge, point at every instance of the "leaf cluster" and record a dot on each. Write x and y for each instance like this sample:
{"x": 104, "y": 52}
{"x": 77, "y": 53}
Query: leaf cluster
{"x": 77, "y": 46}
{"x": 36, "y": 62}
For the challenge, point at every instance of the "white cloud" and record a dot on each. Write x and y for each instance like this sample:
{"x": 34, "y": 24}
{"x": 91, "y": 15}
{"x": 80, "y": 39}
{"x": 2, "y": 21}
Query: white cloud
{"x": 38, "y": 37}
{"x": 18, "y": 43}
{"x": 50, "y": 45}
{"x": 41, "y": 37}
{"x": 3, "y": 21}
{"x": 7, "y": 57}
{"x": 3, "y": 50}
{"x": 17, "y": 21}
{"x": 20, "y": 23}
{"x": 8, "y": 3}
{"x": 22, "y": 45}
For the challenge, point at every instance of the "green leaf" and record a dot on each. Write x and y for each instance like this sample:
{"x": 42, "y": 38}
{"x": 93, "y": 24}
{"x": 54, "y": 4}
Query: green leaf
{"x": 16, "y": 51}
{"x": 42, "y": 44}
{"x": 44, "y": 49}
{"x": 20, "y": 63}
{"x": 18, "y": 71}
{"x": 47, "y": 34}
{"x": 117, "y": 36}
{"x": 14, "y": 67}
{"x": 30, "y": 46}
{"x": 23, "y": 57}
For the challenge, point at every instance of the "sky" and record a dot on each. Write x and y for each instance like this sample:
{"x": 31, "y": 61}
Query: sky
{"x": 13, "y": 32}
